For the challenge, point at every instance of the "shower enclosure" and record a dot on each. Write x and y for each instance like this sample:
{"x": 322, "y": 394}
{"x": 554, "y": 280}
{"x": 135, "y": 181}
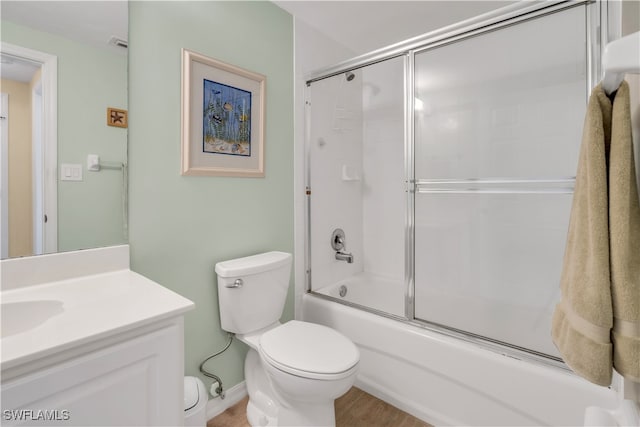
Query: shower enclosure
{"x": 448, "y": 164}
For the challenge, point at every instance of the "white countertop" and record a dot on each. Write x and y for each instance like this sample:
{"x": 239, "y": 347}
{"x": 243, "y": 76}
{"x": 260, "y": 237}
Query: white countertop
{"x": 44, "y": 319}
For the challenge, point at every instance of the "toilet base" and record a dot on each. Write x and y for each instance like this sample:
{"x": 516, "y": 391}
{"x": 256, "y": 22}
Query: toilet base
{"x": 258, "y": 417}
{"x": 265, "y": 408}
{"x": 301, "y": 415}
{"x": 304, "y": 415}
{"x": 317, "y": 414}
{"x": 262, "y": 409}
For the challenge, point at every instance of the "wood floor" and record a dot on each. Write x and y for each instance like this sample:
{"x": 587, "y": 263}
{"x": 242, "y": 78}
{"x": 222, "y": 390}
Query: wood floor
{"x": 355, "y": 409}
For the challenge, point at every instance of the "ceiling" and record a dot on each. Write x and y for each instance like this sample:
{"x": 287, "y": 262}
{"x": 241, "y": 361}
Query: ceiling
{"x": 100, "y": 21}
{"x": 89, "y": 22}
{"x": 17, "y": 69}
{"x": 363, "y": 26}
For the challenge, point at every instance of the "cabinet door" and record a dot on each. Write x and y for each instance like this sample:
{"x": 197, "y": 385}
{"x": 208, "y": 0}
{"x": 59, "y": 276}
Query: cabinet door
{"x": 136, "y": 382}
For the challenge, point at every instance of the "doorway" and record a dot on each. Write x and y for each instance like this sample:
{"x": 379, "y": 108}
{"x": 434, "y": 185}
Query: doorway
{"x": 28, "y": 158}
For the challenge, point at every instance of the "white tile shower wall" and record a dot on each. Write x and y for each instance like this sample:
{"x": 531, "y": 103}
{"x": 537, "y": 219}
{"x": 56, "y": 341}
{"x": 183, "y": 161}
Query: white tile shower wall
{"x": 384, "y": 197}
{"x": 335, "y": 143}
{"x": 313, "y": 50}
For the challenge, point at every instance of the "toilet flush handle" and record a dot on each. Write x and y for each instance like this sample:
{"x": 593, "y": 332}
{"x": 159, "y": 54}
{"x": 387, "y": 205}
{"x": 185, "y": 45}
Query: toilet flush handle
{"x": 237, "y": 284}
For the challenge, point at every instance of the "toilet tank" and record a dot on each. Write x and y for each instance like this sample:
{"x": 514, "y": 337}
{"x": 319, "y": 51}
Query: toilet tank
{"x": 252, "y": 291}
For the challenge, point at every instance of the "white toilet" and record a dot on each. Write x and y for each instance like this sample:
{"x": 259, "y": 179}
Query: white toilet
{"x": 293, "y": 371}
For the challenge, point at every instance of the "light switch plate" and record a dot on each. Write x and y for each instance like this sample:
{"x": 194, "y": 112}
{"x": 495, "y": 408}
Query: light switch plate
{"x": 70, "y": 172}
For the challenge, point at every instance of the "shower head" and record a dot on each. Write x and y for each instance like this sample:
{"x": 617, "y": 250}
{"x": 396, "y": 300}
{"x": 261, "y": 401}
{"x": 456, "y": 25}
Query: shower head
{"x": 349, "y": 76}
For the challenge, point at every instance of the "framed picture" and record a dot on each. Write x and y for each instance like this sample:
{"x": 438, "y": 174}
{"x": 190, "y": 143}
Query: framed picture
{"x": 222, "y": 118}
{"x": 117, "y": 117}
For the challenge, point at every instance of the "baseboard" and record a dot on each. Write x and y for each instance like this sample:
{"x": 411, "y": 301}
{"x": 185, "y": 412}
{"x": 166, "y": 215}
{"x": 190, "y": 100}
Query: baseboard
{"x": 425, "y": 414}
{"x": 235, "y": 394}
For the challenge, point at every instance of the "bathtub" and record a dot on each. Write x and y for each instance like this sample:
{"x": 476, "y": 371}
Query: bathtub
{"x": 372, "y": 291}
{"x": 444, "y": 380}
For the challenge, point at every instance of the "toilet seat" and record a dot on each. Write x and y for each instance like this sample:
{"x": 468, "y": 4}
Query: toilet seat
{"x": 309, "y": 350}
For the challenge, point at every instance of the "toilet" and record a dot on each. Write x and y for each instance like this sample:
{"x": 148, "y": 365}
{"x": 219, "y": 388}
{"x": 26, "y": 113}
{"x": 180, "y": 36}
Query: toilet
{"x": 293, "y": 371}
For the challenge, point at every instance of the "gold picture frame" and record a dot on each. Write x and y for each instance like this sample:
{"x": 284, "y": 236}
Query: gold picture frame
{"x": 222, "y": 118}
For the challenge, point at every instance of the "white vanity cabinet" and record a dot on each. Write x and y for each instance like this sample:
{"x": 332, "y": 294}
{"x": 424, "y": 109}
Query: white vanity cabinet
{"x": 103, "y": 349}
{"x": 129, "y": 380}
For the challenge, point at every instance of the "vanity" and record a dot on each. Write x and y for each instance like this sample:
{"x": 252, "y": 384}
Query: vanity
{"x": 87, "y": 341}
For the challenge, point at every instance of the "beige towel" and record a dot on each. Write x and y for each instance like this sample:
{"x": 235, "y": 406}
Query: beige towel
{"x": 624, "y": 235}
{"x": 601, "y": 273}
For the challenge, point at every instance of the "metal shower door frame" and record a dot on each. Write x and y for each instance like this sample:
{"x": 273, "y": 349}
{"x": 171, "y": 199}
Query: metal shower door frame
{"x": 602, "y": 25}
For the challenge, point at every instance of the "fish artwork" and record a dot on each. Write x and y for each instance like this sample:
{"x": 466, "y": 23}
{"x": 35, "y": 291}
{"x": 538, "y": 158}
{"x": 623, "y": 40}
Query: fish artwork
{"x": 226, "y": 120}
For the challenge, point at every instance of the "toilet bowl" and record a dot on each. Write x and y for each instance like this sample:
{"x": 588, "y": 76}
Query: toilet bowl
{"x": 293, "y": 371}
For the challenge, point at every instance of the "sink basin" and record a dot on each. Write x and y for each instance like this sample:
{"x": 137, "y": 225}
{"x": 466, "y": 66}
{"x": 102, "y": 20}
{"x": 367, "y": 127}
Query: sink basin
{"x": 18, "y": 317}
{"x": 49, "y": 318}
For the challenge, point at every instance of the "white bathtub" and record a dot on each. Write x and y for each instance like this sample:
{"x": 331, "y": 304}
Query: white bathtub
{"x": 375, "y": 292}
{"x": 447, "y": 381}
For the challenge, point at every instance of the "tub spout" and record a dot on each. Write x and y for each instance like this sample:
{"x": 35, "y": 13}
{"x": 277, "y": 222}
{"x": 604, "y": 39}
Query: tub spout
{"x": 341, "y": 256}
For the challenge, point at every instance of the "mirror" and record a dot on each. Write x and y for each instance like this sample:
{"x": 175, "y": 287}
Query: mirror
{"x": 64, "y": 102}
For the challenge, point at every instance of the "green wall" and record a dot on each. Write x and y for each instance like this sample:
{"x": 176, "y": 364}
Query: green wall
{"x": 89, "y": 80}
{"x": 180, "y": 226}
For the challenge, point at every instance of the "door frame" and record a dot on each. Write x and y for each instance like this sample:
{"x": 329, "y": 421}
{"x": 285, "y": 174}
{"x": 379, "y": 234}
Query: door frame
{"x": 4, "y": 177}
{"x": 49, "y": 183}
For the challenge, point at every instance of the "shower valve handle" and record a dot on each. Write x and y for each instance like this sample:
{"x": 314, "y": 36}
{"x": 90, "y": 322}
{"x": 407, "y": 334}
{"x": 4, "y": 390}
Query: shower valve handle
{"x": 337, "y": 239}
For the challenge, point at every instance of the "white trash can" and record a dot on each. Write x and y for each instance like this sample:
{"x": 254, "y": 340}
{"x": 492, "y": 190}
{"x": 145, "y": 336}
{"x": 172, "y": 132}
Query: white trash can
{"x": 195, "y": 402}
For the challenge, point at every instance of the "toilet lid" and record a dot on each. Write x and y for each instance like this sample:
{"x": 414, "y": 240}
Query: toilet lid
{"x": 309, "y": 347}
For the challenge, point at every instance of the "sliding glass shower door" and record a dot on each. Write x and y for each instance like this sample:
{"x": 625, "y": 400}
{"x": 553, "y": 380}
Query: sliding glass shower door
{"x": 440, "y": 175}
{"x": 356, "y": 186}
{"x": 498, "y": 120}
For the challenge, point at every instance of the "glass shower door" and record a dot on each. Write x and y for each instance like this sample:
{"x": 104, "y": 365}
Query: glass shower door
{"x": 498, "y": 122}
{"x": 356, "y": 183}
